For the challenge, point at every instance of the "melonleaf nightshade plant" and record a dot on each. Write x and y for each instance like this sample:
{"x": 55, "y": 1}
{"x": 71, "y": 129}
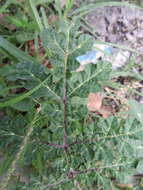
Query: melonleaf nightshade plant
{"x": 49, "y": 127}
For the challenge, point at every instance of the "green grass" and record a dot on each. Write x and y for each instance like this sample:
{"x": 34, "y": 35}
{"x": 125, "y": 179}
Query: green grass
{"x": 45, "y": 126}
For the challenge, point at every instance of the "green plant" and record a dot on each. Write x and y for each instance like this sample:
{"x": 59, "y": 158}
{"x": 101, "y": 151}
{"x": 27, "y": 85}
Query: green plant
{"x": 45, "y": 121}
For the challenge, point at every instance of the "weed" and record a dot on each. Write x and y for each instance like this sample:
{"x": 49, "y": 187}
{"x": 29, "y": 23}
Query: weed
{"x": 45, "y": 125}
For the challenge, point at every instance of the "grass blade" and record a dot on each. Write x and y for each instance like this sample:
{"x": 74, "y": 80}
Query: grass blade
{"x": 36, "y": 15}
{"x": 14, "y": 51}
{"x": 117, "y": 46}
{"x": 6, "y": 4}
{"x": 44, "y": 17}
{"x": 23, "y": 96}
{"x": 88, "y": 8}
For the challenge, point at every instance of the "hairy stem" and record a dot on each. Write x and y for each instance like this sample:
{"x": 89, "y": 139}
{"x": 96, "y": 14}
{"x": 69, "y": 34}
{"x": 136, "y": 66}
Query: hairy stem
{"x": 65, "y": 117}
{"x": 73, "y": 174}
{"x": 65, "y": 101}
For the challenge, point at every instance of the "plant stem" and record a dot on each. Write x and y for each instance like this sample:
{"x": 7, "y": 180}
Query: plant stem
{"x": 65, "y": 105}
{"x": 73, "y": 174}
{"x": 65, "y": 98}
{"x": 53, "y": 145}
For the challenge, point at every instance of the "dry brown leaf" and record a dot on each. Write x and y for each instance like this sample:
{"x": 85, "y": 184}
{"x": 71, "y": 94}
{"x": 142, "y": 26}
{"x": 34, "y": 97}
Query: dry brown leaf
{"x": 47, "y": 63}
{"x": 124, "y": 186}
{"x": 94, "y": 101}
{"x": 105, "y": 111}
{"x": 94, "y": 104}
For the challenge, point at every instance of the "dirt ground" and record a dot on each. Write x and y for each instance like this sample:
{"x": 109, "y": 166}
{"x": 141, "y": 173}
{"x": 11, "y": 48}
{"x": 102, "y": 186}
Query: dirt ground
{"x": 122, "y": 25}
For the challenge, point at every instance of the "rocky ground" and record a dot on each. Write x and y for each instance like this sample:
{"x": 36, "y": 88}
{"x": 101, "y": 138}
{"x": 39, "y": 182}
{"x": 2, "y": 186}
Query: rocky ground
{"x": 122, "y": 25}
